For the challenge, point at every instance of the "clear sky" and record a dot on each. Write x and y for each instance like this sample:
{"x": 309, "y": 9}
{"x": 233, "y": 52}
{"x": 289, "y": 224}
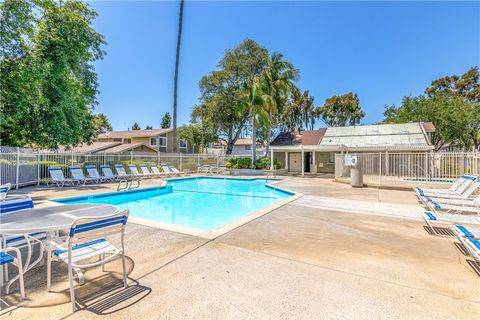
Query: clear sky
{"x": 380, "y": 50}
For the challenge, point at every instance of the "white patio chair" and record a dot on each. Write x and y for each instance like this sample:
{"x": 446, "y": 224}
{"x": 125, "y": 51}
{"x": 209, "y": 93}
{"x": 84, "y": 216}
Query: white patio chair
{"x": 458, "y": 202}
{"x": 457, "y": 188}
{"x": 178, "y": 172}
{"x": 6, "y": 259}
{"x": 11, "y": 204}
{"x": 158, "y": 172}
{"x": 453, "y": 198}
{"x": 77, "y": 174}
{"x": 108, "y": 173}
{"x": 86, "y": 240}
{"x": 167, "y": 171}
{"x": 466, "y": 232}
{"x": 93, "y": 173}
{"x": 58, "y": 178}
{"x": 146, "y": 172}
{"x": 432, "y": 218}
{"x": 134, "y": 172}
{"x": 4, "y": 188}
{"x": 452, "y": 208}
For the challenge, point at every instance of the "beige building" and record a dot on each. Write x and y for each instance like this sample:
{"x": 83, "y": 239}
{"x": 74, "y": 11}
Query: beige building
{"x": 314, "y": 151}
{"x": 158, "y": 139}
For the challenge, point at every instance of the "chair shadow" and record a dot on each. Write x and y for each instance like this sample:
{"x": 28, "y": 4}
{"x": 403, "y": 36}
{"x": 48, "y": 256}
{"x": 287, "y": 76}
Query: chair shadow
{"x": 439, "y": 231}
{"x": 119, "y": 300}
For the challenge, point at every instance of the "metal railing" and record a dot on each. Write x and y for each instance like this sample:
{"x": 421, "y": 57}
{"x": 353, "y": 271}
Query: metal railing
{"x": 22, "y": 166}
{"x": 398, "y": 169}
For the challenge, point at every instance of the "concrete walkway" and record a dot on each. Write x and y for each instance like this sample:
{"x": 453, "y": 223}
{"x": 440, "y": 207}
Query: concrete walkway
{"x": 301, "y": 261}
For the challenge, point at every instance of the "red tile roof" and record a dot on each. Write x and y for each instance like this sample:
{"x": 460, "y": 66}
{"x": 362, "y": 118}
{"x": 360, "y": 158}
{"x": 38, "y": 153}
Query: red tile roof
{"x": 312, "y": 137}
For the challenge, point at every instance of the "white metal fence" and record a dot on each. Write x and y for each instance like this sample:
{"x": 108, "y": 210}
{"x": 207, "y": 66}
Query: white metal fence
{"x": 21, "y": 166}
{"x": 398, "y": 169}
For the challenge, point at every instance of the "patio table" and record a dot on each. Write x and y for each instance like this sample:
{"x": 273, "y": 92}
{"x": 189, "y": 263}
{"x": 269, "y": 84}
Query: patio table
{"x": 47, "y": 219}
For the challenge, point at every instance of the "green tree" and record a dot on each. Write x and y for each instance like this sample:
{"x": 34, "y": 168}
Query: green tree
{"x": 148, "y": 128}
{"x": 196, "y": 135}
{"x": 344, "y": 110}
{"x": 166, "y": 121}
{"x": 136, "y": 126}
{"x": 224, "y": 92}
{"x": 452, "y": 103}
{"x": 175, "y": 81}
{"x": 466, "y": 86}
{"x": 277, "y": 84}
{"x": 48, "y": 84}
{"x": 449, "y": 113}
{"x": 101, "y": 124}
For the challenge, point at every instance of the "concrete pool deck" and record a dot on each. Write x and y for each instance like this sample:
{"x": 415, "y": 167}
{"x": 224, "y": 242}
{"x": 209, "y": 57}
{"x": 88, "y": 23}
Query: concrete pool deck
{"x": 309, "y": 259}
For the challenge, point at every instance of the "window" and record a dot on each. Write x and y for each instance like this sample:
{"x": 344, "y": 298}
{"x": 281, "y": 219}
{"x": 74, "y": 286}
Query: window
{"x": 162, "y": 141}
{"x": 182, "y": 144}
{"x": 153, "y": 141}
{"x": 331, "y": 158}
{"x": 127, "y": 140}
{"x": 248, "y": 148}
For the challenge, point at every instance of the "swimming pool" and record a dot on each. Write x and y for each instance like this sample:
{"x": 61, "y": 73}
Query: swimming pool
{"x": 204, "y": 203}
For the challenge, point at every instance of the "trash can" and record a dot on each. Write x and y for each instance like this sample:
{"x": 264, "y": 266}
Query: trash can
{"x": 356, "y": 177}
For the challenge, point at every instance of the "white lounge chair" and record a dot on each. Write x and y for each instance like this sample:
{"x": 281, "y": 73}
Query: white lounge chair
{"x": 146, "y": 172}
{"x": 473, "y": 247}
{"x": 458, "y": 202}
{"x": 452, "y": 208}
{"x": 157, "y": 172}
{"x": 457, "y": 188}
{"x": 4, "y": 188}
{"x": 432, "y": 218}
{"x": 166, "y": 170}
{"x": 466, "y": 232}
{"x": 178, "y": 172}
{"x": 122, "y": 173}
{"x": 6, "y": 259}
{"x": 85, "y": 241}
{"x": 108, "y": 173}
{"x": 59, "y": 179}
{"x": 93, "y": 173}
{"x": 205, "y": 169}
{"x": 453, "y": 198}
{"x": 134, "y": 172}
{"x": 77, "y": 174}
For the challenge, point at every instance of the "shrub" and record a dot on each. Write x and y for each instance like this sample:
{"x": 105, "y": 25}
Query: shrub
{"x": 264, "y": 163}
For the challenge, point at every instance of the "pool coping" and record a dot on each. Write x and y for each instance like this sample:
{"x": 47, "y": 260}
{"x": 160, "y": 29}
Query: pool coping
{"x": 207, "y": 234}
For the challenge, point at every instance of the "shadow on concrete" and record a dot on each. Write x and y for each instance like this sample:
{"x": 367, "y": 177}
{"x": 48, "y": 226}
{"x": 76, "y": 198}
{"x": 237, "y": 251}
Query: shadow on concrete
{"x": 475, "y": 266}
{"x": 439, "y": 231}
{"x": 119, "y": 300}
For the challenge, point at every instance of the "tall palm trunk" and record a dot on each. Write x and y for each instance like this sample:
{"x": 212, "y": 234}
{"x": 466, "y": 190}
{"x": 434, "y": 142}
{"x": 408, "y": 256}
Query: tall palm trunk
{"x": 175, "y": 84}
{"x": 254, "y": 141}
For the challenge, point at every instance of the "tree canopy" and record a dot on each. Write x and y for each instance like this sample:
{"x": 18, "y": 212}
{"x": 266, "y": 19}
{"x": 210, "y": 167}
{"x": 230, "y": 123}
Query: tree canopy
{"x": 451, "y": 103}
{"x": 166, "y": 121}
{"x": 101, "y": 124}
{"x": 251, "y": 89}
{"x": 136, "y": 126}
{"x": 343, "y": 110}
{"x": 48, "y": 84}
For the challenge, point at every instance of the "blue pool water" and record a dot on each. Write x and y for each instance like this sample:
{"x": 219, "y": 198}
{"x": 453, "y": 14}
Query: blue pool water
{"x": 199, "y": 203}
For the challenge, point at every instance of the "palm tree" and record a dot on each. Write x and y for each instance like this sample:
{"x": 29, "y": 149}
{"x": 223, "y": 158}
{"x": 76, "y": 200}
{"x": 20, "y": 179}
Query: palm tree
{"x": 278, "y": 83}
{"x": 257, "y": 105}
{"x": 175, "y": 83}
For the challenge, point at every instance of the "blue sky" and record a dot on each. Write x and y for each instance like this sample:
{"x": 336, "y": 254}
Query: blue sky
{"x": 380, "y": 50}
